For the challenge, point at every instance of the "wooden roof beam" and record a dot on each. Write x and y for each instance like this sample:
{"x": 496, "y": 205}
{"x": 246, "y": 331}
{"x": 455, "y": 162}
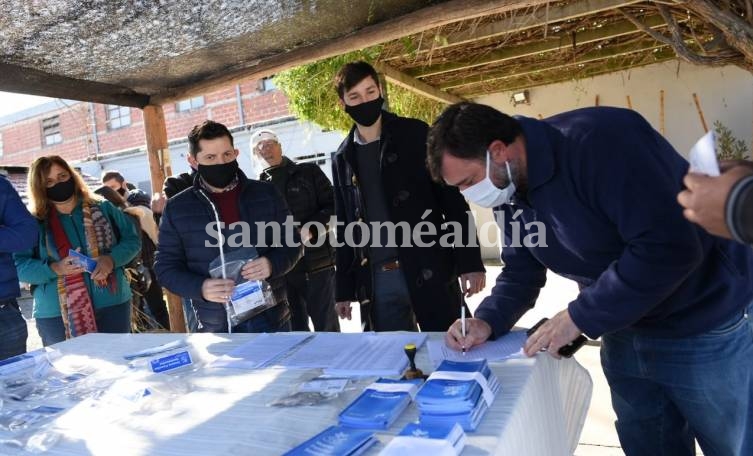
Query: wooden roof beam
{"x": 34, "y": 82}
{"x": 527, "y": 82}
{"x": 588, "y": 57}
{"x": 415, "y": 22}
{"x": 617, "y": 29}
{"x": 539, "y": 18}
{"x": 420, "y": 87}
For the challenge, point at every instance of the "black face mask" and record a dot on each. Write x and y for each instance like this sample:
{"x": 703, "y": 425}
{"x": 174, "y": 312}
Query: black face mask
{"x": 219, "y": 176}
{"x": 62, "y": 191}
{"x": 366, "y": 113}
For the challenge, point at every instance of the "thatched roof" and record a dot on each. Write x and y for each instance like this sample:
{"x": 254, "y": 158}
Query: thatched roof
{"x": 149, "y": 52}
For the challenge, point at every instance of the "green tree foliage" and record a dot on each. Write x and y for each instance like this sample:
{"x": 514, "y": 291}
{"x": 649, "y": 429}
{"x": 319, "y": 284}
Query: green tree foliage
{"x": 312, "y": 95}
{"x": 727, "y": 146}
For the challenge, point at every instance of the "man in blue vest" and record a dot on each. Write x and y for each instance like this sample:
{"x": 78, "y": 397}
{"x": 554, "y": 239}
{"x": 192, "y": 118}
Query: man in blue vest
{"x": 670, "y": 301}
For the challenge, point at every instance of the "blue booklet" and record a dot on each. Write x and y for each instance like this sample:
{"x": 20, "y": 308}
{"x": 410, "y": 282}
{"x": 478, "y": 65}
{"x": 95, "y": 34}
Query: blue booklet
{"x": 335, "y": 441}
{"x": 82, "y": 260}
{"x": 453, "y": 396}
{"x": 448, "y": 401}
{"x": 420, "y": 438}
{"x": 380, "y": 404}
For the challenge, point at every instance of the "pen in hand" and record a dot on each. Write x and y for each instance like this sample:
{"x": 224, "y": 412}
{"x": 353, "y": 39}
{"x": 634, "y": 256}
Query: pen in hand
{"x": 462, "y": 325}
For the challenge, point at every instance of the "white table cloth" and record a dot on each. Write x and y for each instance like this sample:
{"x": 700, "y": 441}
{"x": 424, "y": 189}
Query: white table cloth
{"x": 539, "y": 411}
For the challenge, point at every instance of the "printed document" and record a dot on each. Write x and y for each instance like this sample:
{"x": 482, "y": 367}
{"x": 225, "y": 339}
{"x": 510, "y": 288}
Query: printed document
{"x": 508, "y": 346}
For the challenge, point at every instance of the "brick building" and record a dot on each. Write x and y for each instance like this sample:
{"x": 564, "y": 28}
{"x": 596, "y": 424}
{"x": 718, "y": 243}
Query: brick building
{"x": 96, "y": 137}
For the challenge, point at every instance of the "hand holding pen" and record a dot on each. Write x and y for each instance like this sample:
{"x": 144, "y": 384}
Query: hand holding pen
{"x": 476, "y": 332}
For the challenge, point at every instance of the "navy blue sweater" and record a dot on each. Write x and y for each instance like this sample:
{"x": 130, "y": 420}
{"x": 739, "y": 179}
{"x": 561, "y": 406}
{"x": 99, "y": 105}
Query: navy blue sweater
{"x": 18, "y": 231}
{"x": 604, "y": 184}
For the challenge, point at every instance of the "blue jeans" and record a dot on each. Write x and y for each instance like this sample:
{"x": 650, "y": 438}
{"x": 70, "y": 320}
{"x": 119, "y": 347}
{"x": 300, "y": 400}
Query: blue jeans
{"x": 392, "y": 309}
{"x": 312, "y": 294}
{"x": 212, "y": 318}
{"x": 668, "y": 391}
{"x": 13, "y": 331}
{"x": 112, "y": 319}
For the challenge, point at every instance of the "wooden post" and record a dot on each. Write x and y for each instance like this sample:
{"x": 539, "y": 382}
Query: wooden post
{"x": 156, "y": 141}
{"x": 159, "y": 161}
{"x": 661, "y": 112}
{"x": 596, "y": 101}
{"x": 629, "y": 102}
{"x": 700, "y": 113}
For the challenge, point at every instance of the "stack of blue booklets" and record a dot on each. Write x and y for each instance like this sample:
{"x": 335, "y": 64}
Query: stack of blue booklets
{"x": 457, "y": 392}
{"x": 379, "y": 405}
{"x": 444, "y": 439}
{"x": 335, "y": 441}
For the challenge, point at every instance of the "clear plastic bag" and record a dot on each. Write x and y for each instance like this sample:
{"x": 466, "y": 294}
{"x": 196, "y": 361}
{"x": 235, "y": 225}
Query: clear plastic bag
{"x": 250, "y": 297}
{"x": 313, "y": 391}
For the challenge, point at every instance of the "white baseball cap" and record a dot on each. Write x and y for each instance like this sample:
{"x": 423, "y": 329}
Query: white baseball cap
{"x": 262, "y": 135}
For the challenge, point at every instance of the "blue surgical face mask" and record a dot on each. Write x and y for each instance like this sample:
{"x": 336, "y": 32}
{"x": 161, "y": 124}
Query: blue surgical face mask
{"x": 485, "y": 193}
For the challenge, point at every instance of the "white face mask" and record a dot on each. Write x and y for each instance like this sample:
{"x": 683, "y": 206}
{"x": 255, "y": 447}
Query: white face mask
{"x": 485, "y": 193}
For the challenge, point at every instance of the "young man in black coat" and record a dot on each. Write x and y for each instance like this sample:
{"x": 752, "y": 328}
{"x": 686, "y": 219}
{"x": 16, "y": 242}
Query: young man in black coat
{"x": 380, "y": 177}
{"x": 308, "y": 192}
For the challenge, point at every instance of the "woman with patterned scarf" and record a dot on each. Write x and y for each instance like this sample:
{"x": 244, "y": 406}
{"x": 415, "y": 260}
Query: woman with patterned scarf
{"x": 68, "y": 301}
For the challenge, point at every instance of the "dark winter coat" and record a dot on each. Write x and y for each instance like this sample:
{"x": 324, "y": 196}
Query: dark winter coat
{"x": 432, "y": 272}
{"x": 308, "y": 193}
{"x": 182, "y": 259}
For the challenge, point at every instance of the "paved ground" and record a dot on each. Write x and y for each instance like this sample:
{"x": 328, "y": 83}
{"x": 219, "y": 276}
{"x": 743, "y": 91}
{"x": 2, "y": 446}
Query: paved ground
{"x": 598, "y": 437}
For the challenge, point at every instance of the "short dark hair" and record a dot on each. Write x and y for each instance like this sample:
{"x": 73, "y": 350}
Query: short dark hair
{"x": 111, "y": 196}
{"x": 111, "y": 174}
{"x": 351, "y": 74}
{"x": 209, "y": 129}
{"x": 465, "y": 130}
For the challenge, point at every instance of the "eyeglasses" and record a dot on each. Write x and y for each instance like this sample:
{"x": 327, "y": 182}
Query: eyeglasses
{"x": 266, "y": 145}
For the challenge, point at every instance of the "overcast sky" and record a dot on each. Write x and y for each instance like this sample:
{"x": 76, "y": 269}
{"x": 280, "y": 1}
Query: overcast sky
{"x": 14, "y": 102}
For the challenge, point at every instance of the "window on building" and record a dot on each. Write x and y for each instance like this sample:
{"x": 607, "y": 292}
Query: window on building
{"x": 189, "y": 104}
{"x": 51, "y": 131}
{"x": 118, "y": 116}
{"x": 267, "y": 84}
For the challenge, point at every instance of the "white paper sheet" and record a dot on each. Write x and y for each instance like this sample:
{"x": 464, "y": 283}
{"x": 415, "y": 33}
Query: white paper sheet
{"x": 508, "y": 346}
{"x": 703, "y": 156}
{"x": 354, "y": 354}
{"x": 261, "y": 351}
{"x": 382, "y": 354}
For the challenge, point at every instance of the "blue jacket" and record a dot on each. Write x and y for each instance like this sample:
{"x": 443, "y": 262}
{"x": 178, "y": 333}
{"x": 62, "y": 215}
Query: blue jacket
{"x": 604, "y": 185}
{"x": 18, "y": 231}
{"x": 34, "y": 264}
{"x": 182, "y": 259}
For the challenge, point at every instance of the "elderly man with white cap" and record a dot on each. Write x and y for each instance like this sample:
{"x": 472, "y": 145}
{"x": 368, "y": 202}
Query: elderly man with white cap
{"x": 308, "y": 192}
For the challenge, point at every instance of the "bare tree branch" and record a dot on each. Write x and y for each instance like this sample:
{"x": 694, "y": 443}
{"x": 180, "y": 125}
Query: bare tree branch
{"x": 720, "y": 58}
{"x": 737, "y": 31}
{"x": 641, "y": 26}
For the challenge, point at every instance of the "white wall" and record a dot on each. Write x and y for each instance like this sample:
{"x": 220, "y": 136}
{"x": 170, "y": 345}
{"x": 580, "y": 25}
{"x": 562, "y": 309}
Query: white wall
{"x": 725, "y": 94}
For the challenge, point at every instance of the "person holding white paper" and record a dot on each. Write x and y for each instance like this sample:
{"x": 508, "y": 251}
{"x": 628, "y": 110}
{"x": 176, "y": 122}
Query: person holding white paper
{"x": 722, "y": 205}
{"x": 671, "y": 303}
